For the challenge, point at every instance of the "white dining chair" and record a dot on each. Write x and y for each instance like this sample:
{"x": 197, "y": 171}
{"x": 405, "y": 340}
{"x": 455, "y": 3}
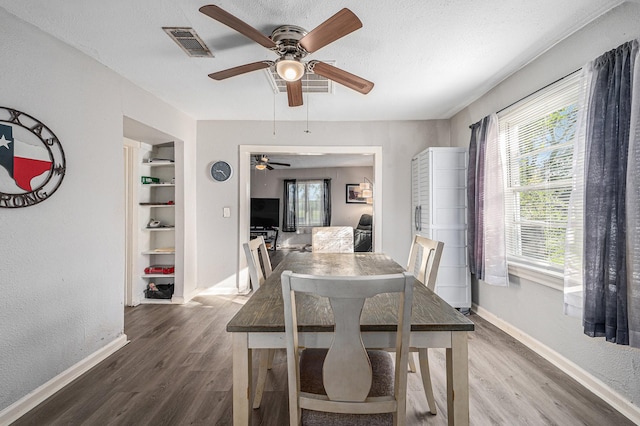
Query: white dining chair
{"x": 347, "y": 384}
{"x": 258, "y": 261}
{"x": 424, "y": 261}
{"x": 260, "y": 269}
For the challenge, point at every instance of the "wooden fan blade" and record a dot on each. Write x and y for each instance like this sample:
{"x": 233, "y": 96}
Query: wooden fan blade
{"x": 269, "y": 167}
{"x": 242, "y": 27}
{"x": 242, "y": 69}
{"x": 280, "y": 164}
{"x": 338, "y": 26}
{"x": 343, "y": 77}
{"x": 294, "y": 93}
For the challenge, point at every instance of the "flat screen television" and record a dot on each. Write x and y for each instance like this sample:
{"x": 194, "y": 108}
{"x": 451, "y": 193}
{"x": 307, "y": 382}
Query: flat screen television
{"x": 265, "y": 212}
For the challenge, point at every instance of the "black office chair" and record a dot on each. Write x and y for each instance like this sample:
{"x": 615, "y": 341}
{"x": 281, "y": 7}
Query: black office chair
{"x": 363, "y": 234}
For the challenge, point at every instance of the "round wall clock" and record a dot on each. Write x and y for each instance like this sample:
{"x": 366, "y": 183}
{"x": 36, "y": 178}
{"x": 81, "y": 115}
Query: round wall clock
{"x": 221, "y": 171}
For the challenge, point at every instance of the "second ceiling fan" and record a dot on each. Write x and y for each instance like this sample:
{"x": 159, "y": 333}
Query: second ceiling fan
{"x": 292, "y": 44}
{"x": 262, "y": 162}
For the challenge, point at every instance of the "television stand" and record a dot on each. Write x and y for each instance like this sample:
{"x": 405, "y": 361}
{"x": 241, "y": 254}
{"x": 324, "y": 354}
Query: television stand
{"x": 270, "y": 235}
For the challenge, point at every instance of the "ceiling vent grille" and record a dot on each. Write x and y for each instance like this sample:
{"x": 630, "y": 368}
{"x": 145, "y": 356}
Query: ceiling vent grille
{"x": 189, "y": 41}
{"x": 311, "y": 83}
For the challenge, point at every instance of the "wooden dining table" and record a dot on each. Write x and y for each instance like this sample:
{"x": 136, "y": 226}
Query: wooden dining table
{"x": 259, "y": 324}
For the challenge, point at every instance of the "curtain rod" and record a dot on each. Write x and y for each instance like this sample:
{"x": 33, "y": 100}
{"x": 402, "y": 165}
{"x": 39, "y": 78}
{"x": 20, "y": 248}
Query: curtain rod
{"x": 534, "y": 92}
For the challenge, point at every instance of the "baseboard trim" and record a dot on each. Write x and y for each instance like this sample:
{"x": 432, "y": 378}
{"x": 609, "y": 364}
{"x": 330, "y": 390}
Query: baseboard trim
{"x": 595, "y": 385}
{"x": 33, "y": 399}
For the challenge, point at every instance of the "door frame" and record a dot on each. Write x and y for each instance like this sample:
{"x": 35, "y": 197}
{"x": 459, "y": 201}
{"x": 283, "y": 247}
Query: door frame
{"x": 244, "y": 191}
{"x": 131, "y": 150}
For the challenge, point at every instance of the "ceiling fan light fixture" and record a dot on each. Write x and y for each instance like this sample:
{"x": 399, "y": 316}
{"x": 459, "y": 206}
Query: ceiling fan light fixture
{"x": 289, "y": 68}
{"x": 260, "y": 166}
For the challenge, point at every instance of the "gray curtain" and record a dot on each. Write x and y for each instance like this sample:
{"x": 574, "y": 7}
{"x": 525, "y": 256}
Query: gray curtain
{"x": 327, "y": 202}
{"x": 475, "y": 197}
{"x": 608, "y": 115}
{"x": 290, "y": 201}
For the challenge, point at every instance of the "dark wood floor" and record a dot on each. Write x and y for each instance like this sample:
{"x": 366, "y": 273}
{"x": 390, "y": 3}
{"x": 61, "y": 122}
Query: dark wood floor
{"x": 177, "y": 371}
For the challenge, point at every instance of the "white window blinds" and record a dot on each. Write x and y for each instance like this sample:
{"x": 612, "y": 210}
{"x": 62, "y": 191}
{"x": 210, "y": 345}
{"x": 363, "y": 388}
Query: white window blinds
{"x": 538, "y": 134}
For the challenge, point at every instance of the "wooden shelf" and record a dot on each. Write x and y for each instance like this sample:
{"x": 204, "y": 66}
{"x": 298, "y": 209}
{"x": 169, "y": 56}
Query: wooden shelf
{"x": 158, "y": 184}
{"x": 160, "y": 229}
{"x": 158, "y": 252}
{"x": 145, "y": 301}
{"x": 157, "y": 205}
{"x": 158, "y": 276}
{"x": 158, "y": 164}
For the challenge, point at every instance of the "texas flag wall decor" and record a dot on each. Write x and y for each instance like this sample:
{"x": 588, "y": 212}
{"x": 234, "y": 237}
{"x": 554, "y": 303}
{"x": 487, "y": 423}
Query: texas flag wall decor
{"x": 32, "y": 162}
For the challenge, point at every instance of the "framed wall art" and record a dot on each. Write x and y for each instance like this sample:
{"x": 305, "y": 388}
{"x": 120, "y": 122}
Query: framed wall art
{"x": 354, "y": 194}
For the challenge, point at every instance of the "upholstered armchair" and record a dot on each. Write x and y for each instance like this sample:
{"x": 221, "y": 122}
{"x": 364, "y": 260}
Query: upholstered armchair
{"x": 362, "y": 235}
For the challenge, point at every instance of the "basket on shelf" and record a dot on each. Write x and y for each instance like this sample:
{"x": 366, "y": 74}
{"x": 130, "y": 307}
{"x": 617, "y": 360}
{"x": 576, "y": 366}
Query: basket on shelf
{"x": 159, "y": 291}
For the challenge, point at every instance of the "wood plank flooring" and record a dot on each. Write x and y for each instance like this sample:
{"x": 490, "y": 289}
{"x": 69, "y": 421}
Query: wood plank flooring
{"x": 177, "y": 371}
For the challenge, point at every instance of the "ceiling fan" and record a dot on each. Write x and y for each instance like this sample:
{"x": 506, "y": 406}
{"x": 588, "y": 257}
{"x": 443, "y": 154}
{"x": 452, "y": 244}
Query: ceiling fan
{"x": 292, "y": 43}
{"x": 262, "y": 162}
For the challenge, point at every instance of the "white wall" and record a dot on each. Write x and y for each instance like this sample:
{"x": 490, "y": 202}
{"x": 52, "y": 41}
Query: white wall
{"x": 270, "y": 184}
{"x": 62, "y": 261}
{"x": 531, "y": 307}
{"x": 218, "y": 236}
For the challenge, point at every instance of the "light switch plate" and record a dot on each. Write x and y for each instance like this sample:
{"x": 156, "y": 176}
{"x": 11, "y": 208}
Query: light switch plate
{"x": 226, "y": 212}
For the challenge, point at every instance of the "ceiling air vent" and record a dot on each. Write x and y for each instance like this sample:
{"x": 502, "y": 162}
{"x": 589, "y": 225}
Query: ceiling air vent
{"x": 189, "y": 41}
{"x": 311, "y": 83}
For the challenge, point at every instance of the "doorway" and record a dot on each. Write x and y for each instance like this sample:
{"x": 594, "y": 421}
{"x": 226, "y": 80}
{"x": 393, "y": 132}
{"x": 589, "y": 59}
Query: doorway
{"x": 244, "y": 190}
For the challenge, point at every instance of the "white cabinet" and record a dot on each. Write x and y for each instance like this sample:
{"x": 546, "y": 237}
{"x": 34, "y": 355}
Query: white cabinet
{"x": 157, "y": 223}
{"x": 439, "y": 212}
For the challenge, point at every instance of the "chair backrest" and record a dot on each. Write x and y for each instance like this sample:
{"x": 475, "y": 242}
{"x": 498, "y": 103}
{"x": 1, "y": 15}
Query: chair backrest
{"x": 365, "y": 223}
{"x": 332, "y": 239}
{"x": 428, "y": 252}
{"x": 346, "y": 372}
{"x": 257, "y": 259}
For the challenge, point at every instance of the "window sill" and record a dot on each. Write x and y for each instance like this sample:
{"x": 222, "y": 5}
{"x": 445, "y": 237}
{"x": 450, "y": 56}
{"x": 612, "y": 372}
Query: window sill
{"x": 542, "y": 276}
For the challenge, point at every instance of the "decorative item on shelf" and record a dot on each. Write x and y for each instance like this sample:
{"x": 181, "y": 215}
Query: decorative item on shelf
{"x": 162, "y": 250}
{"x": 149, "y": 179}
{"x": 160, "y": 269}
{"x": 160, "y": 160}
{"x": 366, "y": 189}
{"x": 154, "y": 224}
{"x": 168, "y": 203}
{"x": 159, "y": 291}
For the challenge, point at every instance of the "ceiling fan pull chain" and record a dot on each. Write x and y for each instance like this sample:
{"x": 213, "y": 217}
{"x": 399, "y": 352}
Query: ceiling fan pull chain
{"x": 307, "y": 131}
{"x": 274, "y": 115}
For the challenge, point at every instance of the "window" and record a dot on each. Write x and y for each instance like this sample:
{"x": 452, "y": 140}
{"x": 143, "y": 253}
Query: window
{"x": 538, "y": 136}
{"x": 307, "y": 203}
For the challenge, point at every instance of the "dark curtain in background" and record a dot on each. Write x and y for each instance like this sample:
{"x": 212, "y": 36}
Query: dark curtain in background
{"x": 327, "y": 202}
{"x": 289, "y": 218}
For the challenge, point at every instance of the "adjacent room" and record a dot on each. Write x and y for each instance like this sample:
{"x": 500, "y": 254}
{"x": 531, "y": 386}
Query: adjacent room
{"x": 400, "y": 212}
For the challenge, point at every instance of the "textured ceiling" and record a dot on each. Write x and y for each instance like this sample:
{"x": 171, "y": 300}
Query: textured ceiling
{"x": 427, "y": 58}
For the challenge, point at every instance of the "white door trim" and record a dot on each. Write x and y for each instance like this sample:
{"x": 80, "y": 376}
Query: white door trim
{"x": 131, "y": 152}
{"x": 244, "y": 191}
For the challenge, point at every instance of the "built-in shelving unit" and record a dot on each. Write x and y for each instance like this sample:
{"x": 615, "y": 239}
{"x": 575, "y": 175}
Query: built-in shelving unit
{"x": 157, "y": 237}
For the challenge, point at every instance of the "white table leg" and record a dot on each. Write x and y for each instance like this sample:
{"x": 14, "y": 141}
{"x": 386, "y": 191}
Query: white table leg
{"x": 241, "y": 380}
{"x": 458, "y": 380}
{"x": 425, "y": 372}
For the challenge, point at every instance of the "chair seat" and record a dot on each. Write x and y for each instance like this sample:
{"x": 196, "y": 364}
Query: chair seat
{"x": 311, "y": 362}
